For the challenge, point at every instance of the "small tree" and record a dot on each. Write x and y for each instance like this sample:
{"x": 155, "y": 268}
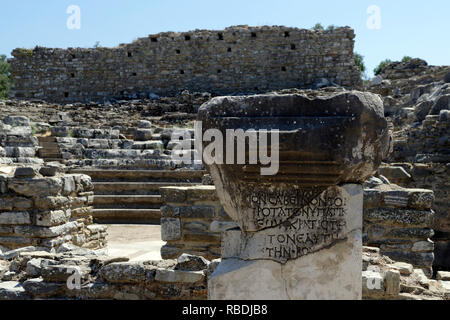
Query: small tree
{"x": 331, "y": 27}
{"x": 381, "y": 66}
{"x": 318, "y": 27}
{"x": 406, "y": 59}
{"x": 5, "y": 81}
{"x": 359, "y": 61}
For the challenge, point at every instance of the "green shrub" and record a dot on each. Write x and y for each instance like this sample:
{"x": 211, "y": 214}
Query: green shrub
{"x": 380, "y": 67}
{"x": 24, "y": 52}
{"x": 406, "y": 59}
{"x": 359, "y": 61}
{"x": 318, "y": 27}
{"x": 5, "y": 77}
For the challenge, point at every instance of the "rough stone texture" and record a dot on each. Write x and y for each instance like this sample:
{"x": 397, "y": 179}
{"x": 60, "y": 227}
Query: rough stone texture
{"x": 303, "y": 278}
{"x": 306, "y": 213}
{"x": 44, "y": 211}
{"x": 195, "y": 211}
{"x": 400, "y": 221}
{"x": 236, "y": 59}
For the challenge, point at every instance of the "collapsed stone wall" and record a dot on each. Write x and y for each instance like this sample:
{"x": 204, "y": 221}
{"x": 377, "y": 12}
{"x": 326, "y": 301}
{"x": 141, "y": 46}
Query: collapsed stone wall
{"x": 88, "y": 274}
{"x": 43, "y": 208}
{"x": 43, "y": 275}
{"x": 235, "y": 60}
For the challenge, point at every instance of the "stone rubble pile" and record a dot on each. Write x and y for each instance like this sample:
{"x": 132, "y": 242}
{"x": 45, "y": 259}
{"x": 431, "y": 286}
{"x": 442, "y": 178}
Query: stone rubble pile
{"x": 386, "y": 279}
{"x": 76, "y": 273}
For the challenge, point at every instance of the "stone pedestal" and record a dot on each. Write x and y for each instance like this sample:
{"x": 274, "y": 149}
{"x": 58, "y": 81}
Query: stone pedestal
{"x": 315, "y": 254}
{"x": 299, "y": 234}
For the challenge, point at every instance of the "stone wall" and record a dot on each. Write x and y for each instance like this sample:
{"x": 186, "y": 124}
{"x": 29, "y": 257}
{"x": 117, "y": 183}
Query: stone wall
{"x": 88, "y": 274}
{"x": 42, "y": 208}
{"x": 192, "y": 221}
{"x": 235, "y": 60}
{"x": 399, "y": 221}
{"x": 17, "y": 142}
{"x": 434, "y": 176}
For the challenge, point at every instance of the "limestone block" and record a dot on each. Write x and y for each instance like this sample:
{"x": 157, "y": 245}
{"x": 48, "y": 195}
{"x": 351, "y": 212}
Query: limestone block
{"x": 236, "y": 279}
{"x": 49, "y": 186}
{"x": 336, "y": 211}
{"x": 423, "y": 246}
{"x": 14, "y": 218}
{"x": 51, "y": 218}
{"x": 175, "y": 276}
{"x": 124, "y": 272}
{"x": 399, "y": 217}
{"x": 45, "y": 232}
{"x": 60, "y": 273}
{"x": 403, "y": 268}
{"x": 170, "y": 229}
{"x": 372, "y": 284}
{"x": 443, "y": 275}
{"x": 392, "y": 282}
{"x": 188, "y": 262}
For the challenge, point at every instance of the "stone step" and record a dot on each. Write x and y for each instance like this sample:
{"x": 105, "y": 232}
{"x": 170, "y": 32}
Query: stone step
{"x": 44, "y": 154}
{"x": 127, "y": 216}
{"x": 47, "y": 139}
{"x": 138, "y": 188}
{"x": 128, "y": 201}
{"x": 143, "y": 175}
{"x": 48, "y": 145}
{"x": 54, "y": 160}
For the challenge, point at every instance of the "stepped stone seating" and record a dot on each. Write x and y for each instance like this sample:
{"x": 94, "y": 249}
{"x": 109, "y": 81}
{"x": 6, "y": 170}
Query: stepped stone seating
{"x": 132, "y": 196}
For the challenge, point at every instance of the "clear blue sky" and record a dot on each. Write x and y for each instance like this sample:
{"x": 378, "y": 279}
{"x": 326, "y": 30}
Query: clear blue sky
{"x": 408, "y": 27}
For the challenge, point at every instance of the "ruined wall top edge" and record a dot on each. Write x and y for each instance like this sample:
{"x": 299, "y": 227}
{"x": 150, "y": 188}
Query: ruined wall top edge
{"x": 234, "y": 60}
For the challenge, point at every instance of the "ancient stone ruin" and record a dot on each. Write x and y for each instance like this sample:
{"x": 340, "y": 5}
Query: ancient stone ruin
{"x": 354, "y": 207}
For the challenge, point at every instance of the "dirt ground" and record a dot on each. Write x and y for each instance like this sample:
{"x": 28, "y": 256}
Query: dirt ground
{"x": 138, "y": 242}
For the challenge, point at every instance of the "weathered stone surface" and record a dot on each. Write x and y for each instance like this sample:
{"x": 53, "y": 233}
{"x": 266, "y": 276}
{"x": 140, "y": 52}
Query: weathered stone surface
{"x": 443, "y": 275}
{"x": 37, "y": 187}
{"x": 298, "y": 279}
{"x": 124, "y": 272}
{"x": 174, "y": 276}
{"x": 241, "y": 52}
{"x": 170, "y": 229}
{"x": 392, "y": 282}
{"x": 51, "y": 218}
{"x": 14, "y": 218}
{"x": 314, "y": 132}
{"x": 25, "y": 172}
{"x": 336, "y": 212}
{"x": 403, "y": 268}
{"x": 399, "y": 218}
{"x": 12, "y": 290}
{"x": 188, "y": 262}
